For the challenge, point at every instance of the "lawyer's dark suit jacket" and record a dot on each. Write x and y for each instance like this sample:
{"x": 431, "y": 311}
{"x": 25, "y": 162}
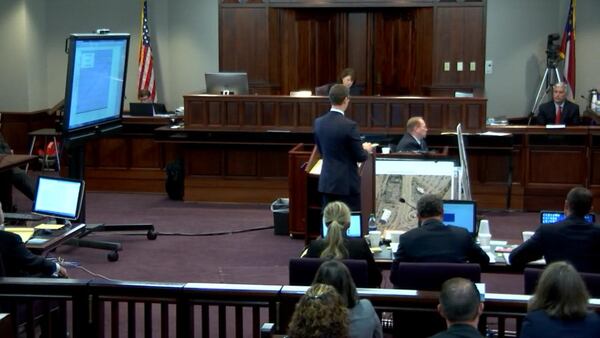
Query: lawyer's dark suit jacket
{"x": 408, "y": 143}
{"x": 569, "y": 115}
{"x": 459, "y": 331}
{"x": 572, "y": 240}
{"x": 435, "y": 242}
{"x": 538, "y": 324}
{"x": 357, "y": 249}
{"x": 340, "y": 146}
{"x": 18, "y": 261}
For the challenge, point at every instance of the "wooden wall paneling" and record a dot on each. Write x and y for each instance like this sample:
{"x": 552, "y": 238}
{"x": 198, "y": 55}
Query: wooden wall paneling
{"x": 286, "y": 116}
{"x": 273, "y": 163}
{"x": 474, "y": 116}
{"x": 200, "y": 109}
{"x": 595, "y": 167}
{"x": 358, "y": 51}
{"x": 454, "y": 115}
{"x": 244, "y": 42}
{"x": 399, "y": 114}
{"x": 268, "y": 111}
{"x": 215, "y": 113}
{"x": 306, "y": 114}
{"x": 145, "y": 153}
{"x": 232, "y": 113}
{"x": 422, "y": 75}
{"x": 114, "y": 152}
{"x": 380, "y": 115}
{"x": 434, "y": 114}
{"x": 249, "y": 114}
{"x": 359, "y": 113}
{"x": 241, "y": 162}
{"x": 204, "y": 161}
{"x": 568, "y": 166}
{"x": 458, "y": 37}
{"x": 394, "y": 56}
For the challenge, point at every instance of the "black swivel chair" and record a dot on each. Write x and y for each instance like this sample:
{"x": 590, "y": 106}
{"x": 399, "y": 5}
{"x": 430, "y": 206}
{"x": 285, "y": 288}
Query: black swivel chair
{"x": 302, "y": 271}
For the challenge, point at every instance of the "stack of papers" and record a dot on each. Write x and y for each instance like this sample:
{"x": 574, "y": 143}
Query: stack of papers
{"x": 24, "y": 233}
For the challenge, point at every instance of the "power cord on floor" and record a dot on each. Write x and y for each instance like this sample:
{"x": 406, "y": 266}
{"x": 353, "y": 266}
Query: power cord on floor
{"x": 218, "y": 233}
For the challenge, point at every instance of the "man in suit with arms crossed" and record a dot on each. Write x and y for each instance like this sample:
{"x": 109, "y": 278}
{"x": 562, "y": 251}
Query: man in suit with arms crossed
{"x": 573, "y": 239}
{"x": 559, "y": 110}
{"x": 340, "y": 146}
{"x": 414, "y": 138}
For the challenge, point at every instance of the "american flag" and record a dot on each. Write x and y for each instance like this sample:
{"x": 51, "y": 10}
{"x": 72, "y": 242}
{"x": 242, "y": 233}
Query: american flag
{"x": 567, "y": 49}
{"x": 146, "y": 78}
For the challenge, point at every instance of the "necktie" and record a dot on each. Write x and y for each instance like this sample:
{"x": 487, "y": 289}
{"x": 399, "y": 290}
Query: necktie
{"x": 558, "y": 115}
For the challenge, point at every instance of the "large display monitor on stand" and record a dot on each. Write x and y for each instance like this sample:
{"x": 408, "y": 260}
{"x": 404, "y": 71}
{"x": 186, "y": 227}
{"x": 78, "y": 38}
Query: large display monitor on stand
{"x": 95, "y": 89}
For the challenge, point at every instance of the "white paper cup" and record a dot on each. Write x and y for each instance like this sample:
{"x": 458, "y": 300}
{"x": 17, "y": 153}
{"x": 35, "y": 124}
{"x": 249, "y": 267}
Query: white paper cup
{"x": 484, "y": 226}
{"x": 385, "y": 150}
{"x": 527, "y": 235}
{"x": 484, "y": 240}
{"x": 395, "y": 235}
{"x": 375, "y": 238}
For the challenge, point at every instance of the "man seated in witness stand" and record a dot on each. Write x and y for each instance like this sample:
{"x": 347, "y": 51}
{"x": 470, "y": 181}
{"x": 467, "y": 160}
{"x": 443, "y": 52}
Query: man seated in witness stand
{"x": 460, "y": 305}
{"x": 559, "y": 110}
{"x": 433, "y": 241}
{"x": 319, "y": 313}
{"x": 336, "y": 245}
{"x": 144, "y": 96}
{"x": 414, "y": 138}
{"x": 559, "y": 307}
{"x": 572, "y": 239}
{"x": 364, "y": 322}
{"x": 18, "y": 261}
{"x": 15, "y": 176}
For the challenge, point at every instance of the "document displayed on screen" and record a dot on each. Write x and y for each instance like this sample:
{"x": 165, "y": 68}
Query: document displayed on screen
{"x": 58, "y": 197}
{"x": 97, "y": 81}
{"x": 413, "y": 167}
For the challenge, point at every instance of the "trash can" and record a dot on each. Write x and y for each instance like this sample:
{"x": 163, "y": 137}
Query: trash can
{"x": 281, "y": 210}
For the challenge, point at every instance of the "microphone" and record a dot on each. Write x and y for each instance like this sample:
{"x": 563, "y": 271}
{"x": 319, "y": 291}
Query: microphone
{"x": 402, "y": 200}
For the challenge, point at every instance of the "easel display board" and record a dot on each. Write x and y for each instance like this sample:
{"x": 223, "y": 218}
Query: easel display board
{"x": 399, "y": 179}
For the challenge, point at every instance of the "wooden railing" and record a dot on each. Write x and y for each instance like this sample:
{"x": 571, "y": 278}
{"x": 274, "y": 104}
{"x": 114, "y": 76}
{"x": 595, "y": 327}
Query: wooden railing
{"x": 93, "y": 308}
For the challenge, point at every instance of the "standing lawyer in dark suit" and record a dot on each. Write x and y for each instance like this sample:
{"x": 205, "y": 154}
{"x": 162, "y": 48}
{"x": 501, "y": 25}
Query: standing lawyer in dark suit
{"x": 340, "y": 146}
{"x": 433, "y": 241}
{"x": 559, "y": 110}
{"x": 414, "y": 138}
{"x": 572, "y": 240}
{"x": 18, "y": 261}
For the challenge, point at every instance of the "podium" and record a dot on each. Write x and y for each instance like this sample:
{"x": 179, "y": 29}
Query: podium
{"x": 305, "y": 200}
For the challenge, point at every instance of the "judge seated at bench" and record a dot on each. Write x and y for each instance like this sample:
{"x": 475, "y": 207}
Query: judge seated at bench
{"x": 414, "y": 138}
{"x": 559, "y": 110}
{"x": 348, "y": 79}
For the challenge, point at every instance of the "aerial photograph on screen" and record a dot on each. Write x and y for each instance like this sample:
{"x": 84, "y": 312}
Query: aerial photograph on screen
{"x": 390, "y": 189}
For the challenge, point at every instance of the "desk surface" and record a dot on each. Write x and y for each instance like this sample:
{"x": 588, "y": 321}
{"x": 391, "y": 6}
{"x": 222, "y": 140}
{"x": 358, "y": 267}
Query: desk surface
{"x": 384, "y": 259}
{"x": 8, "y": 161}
{"x": 57, "y": 238}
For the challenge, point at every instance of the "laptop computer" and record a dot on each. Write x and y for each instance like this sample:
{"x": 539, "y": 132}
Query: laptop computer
{"x": 147, "y": 109}
{"x": 354, "y": 230}
{"x": 552, "y": 216}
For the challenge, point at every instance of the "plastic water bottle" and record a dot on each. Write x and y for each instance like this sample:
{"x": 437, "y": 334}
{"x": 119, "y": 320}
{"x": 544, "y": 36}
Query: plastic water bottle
{"x": 372, "y": 223}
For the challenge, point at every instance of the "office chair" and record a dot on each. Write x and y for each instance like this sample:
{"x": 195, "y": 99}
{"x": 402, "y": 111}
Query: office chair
{"x": 532, "y": 275}
{"x": 302, "y": 271}
{"x": 429, "y": 276}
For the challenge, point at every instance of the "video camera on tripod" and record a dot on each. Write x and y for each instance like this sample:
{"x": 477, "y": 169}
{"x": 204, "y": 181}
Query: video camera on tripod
{"x": 552, "y": 48}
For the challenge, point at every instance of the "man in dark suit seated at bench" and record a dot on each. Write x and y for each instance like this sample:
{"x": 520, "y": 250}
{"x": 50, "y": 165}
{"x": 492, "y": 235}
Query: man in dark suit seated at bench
{"x": 17, "y": 261}
{"x": 572, "y": 239}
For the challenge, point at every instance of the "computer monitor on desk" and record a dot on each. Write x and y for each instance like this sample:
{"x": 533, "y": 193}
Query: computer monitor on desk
{"x": 226, "y": 83}
{"x": 354, "y": 229}
{"x": 58, "y": 197}
{"x": 462, "y": 214}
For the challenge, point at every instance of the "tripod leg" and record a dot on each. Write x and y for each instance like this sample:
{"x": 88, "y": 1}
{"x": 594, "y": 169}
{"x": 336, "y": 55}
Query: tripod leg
{"x": 539, "y": 96}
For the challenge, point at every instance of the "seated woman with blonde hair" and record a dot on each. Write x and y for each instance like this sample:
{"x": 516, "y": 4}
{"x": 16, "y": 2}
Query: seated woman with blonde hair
{"x": 319, "y": 313}
{"x": 336, "y": 245}
{"x": 559, "y": 307}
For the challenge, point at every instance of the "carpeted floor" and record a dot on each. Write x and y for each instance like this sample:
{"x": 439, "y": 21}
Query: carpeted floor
{"x": 187, "y": 251}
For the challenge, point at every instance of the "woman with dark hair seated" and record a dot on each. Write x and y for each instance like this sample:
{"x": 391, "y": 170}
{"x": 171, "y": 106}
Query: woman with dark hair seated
{"x": 348, "y": 79}
{"x": 319, "y": 313}
{"x": 559, "y": 306}
{"x": 336, "y": 245}
{"x": 364, "y": 322}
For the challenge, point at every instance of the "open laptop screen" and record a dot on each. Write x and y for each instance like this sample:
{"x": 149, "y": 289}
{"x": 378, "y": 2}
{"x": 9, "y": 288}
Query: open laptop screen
{"x": 354, "y": 230}
{"x": 58, "y": 197}
{"x": 550, "y": 216}
{"x": 461, "y": 214}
